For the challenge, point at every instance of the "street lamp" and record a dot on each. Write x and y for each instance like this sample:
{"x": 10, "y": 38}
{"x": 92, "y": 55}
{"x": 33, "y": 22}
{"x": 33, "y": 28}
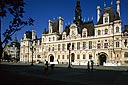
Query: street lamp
{"x": 68, "y": 48}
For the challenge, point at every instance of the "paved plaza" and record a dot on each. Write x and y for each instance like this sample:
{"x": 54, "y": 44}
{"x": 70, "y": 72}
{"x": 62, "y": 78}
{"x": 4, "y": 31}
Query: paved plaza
{"x": 24, "y": 74}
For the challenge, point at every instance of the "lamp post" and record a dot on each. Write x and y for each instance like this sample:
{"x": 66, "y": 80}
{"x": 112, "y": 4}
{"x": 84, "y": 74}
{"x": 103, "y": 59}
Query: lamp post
{"x": 68, "y": 47}
{"x": 32, "y": 52}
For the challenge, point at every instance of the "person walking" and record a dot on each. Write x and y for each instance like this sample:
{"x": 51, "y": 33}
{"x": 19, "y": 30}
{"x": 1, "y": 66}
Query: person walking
{"x": 88, "y": 65}
{"x": 92, "y": 63}
{"x": 46, "y": 67}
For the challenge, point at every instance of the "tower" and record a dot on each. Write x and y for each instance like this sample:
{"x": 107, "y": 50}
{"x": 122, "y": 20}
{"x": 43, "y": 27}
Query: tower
{"x": 118, "y": 6}
{"x": 78, "y": 17}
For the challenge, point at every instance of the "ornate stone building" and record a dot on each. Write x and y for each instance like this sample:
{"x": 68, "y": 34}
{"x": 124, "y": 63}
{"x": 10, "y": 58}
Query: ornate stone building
{"x": 12, "y": 50}
{"x": 104, "y": 43}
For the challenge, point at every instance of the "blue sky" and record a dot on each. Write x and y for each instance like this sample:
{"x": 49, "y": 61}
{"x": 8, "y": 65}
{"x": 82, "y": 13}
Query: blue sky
{"x": 43, "y": 10}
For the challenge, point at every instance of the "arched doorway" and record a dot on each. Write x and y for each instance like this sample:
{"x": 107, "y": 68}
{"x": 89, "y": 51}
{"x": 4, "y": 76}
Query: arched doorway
{"x": 102, "y": 58}
{"x": 72, "y": 57}
{"x": 51, "y": 58}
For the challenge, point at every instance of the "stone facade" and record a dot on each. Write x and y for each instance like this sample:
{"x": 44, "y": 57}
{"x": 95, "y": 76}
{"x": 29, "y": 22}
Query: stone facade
{"x": 104, "y": 43}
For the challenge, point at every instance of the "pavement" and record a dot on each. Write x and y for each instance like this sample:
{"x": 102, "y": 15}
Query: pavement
{"x": 24, "y": 74}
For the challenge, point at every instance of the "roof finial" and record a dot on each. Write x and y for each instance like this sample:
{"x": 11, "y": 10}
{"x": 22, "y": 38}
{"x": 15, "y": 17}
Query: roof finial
{"x": 111, "y": 3}
{"x": 104, "y": 5}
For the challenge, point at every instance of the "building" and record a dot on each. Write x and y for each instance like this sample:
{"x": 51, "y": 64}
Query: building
{"x": 105, "y": 43}
{"x": 12, "y": 50}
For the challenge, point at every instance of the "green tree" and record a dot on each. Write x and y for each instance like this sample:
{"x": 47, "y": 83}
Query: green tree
{"x": 16, "y": 9}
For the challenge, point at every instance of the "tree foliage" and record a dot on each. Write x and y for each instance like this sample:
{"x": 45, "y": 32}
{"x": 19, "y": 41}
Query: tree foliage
{"x": 16, "y": 9}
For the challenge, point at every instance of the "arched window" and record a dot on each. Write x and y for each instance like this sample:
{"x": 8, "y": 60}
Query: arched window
{"x": 126, "y": 54}
{"x": 117, "y": 29}
{"x": 84, "y": 32}
{"x": 99, "y": 32}
{"x": 106, "y": 31}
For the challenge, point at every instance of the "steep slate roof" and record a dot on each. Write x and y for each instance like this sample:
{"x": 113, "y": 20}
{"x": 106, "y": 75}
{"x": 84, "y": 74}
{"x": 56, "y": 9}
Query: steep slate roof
{"x": 88, "y": 25}
{"x": 126, "y": 28}
{"x": 90, "y": 28}
{"x": 55, "y": 27}
{"x": 112, "y": 15}
{"x": 28, "y": 34}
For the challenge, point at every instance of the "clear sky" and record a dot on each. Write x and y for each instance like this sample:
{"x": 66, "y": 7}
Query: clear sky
{"x": 43, "y": 10}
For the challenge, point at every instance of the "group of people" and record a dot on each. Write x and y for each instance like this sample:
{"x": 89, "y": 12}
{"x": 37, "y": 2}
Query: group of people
{"x": 90, "y": 65}
{"x": 46, "y": 66}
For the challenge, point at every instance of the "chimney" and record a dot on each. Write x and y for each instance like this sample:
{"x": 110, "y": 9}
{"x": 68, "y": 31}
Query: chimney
{"x": 33, "y": 34}
{"x": 50, "y": 26}
{"x": 98, "y": 13}
{"x": 61, "y": 22}
{"x": 118, "y": 6}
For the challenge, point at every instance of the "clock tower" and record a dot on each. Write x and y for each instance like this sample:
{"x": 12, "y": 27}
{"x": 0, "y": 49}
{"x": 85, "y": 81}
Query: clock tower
{"x": 78, "y": 17}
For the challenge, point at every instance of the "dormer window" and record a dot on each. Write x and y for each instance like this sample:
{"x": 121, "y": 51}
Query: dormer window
{"x": 84, "y": 32}
{"x": 64, "y": 36}
{"x": 106, "y": 18}
{"x": 117, "y": 29}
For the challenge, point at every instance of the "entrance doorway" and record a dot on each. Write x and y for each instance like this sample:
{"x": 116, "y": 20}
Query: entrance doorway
{"x": 72, "y": 57}
{"x": 102, "y": 58}
{"x": 51, "y": 58}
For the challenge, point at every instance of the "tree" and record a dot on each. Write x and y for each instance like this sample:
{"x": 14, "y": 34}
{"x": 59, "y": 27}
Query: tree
{"x": 16, "y": 9}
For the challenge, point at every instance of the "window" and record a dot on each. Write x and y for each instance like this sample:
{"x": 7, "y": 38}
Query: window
{"x": 53, "y": 38}
{"x": 106, "y": 31}
{"x": 63, "y": 47}
{"x": 90, "y": 44}
{"x": 58, "y": 56}
{"x": 90, "y": 56}
{"x": 126, "y": 54}
{"x": 105, "y": 45}
{"x": 62, "y": 56}
{"x": 117, "y": 44}
{"x": 49, "y": 49}
{"x": 84, "y": 45}
{"x": 78, "y": 45}
{"x": 84, "y": 57}
{"x": 98, "y": 46}
{"x": 106, "y": 19}
{"x": 52, "y": 48}
{"x": 99, "y": 32}
{"x": 58, "y": 47}
{"x": 78, "y": 56}
{"x": 72, "y": 46}
{"x": 117, "y": 29}
{"x": 49, "y": 39}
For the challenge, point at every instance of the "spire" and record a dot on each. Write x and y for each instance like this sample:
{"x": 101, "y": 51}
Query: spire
{"x": 104, "y": 5}
{"x": 78, "y": 17}
{"x": 78, "y": 11}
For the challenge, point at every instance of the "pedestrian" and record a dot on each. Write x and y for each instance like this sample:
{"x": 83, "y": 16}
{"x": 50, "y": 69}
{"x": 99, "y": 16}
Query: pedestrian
{"x": 88, "y": 64}
{"x": 92, "y": 63}
{"x": 46, "y": 67}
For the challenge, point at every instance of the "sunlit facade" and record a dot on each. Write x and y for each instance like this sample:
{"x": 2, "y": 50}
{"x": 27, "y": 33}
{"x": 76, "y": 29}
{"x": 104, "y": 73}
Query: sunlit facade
{"x": 105, "y": 43}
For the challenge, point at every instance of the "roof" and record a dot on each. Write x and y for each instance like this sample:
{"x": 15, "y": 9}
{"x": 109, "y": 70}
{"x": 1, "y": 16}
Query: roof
{"x": 55, "y": 27}
{"x": 90, "y": 28}
{"x": 113, "y": 16}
